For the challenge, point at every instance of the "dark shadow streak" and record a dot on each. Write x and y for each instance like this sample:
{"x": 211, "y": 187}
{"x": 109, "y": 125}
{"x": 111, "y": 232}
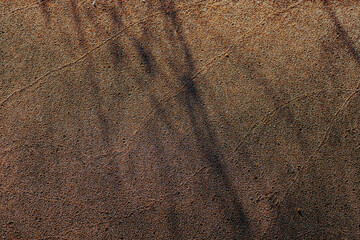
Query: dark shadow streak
{"x": 45, "y": 10}
{"x": 147, "y": 59}
{"x": 343, "y": 36}
{"x": 77, "y": 19}
{"x": 145, "y": 54}
{"x": 165, "y": 176}
{"x": 91, "y": 81}
{"x": 288, "y": 222}
{"x": 202, "y": 129}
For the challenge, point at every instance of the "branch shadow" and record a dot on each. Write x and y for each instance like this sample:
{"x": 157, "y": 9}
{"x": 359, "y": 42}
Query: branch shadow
{"x": 91, "y": 81}
{"x": 204, "y": 134}
{"x": 315, "y": 191}
{"x": 45, "y": 11}
{"x": 182, "y": 65}
{"x": 342, "y": 34}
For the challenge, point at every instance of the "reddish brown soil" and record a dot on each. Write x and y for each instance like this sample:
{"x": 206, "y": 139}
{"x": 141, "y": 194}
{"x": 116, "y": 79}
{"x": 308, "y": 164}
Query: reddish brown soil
{"x": 165, "y": 119}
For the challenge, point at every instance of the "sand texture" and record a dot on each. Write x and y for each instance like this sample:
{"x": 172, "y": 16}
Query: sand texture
{"x": 169, "y": 119}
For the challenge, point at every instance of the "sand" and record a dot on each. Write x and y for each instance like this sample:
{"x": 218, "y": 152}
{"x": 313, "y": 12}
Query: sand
{"x": 179, "y": 119}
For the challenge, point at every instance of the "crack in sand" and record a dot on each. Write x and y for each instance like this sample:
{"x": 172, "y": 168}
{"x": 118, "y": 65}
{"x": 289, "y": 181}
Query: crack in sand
{"x": 83, "y": 57}
{"x": 34, "y": 5}
{"x": 229, "y": 50}
{"x": 343, "y": 37}
{"x": 206, "y": 67}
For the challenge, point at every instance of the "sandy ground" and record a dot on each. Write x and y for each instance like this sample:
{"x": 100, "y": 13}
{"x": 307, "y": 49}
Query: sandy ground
{"x": 216, "y": 119}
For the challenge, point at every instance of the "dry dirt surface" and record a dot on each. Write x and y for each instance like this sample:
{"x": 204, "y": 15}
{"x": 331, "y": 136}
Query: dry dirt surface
{"x": 169, "y": 119}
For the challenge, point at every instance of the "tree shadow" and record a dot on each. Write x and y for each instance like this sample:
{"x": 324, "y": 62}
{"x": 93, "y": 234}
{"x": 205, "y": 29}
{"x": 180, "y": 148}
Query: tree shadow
{"x": 91, "y": 81}
{"x": 45, "y": 11}
{"x": 182, "y": 65}
{"x": 341, "y": 33}
{"x": 314, "y": 191}
{"x": 204, "y": 134}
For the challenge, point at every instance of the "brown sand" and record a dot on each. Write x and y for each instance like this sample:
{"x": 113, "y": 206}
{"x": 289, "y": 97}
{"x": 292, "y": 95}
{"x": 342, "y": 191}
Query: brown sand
{"x": 216, "y": 119}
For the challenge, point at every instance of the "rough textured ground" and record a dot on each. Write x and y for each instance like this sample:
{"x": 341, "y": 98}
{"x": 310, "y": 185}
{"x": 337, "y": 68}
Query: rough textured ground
{"x": 165, "y": 119}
